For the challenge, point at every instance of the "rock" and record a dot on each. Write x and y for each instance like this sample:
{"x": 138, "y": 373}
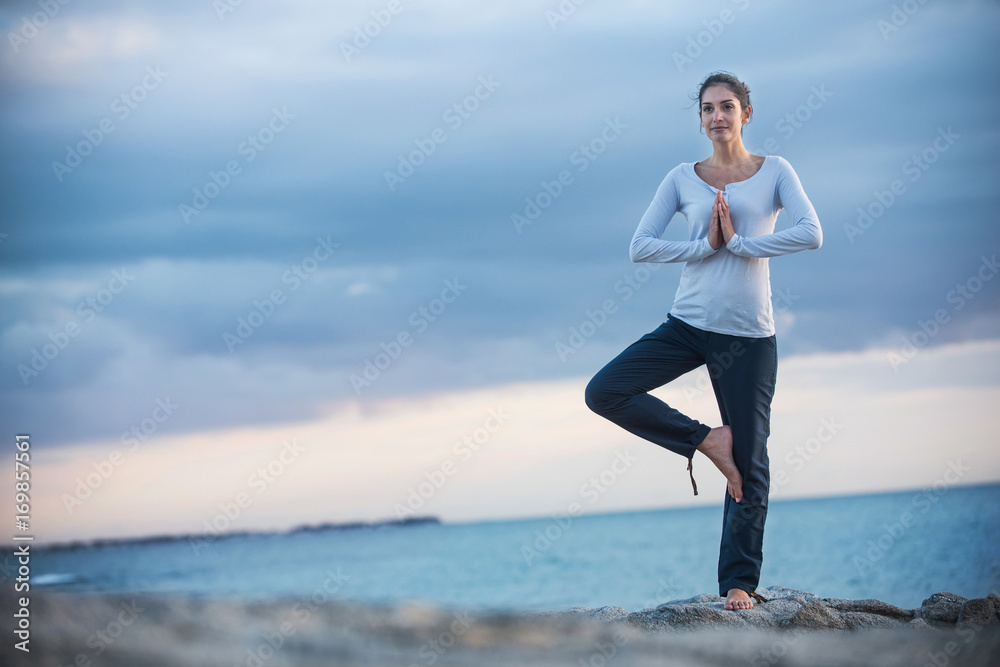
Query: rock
{"x": 793, "y": 628}
{"x": 870, "y": 606}
{"x": 920, "y": 624}
{"x": 814, "y": 615}
{"x": 786, "y": 609}
{"x": 869, "y": 614}
{"x": 942, "y": 608}
{"x": 980, "y": 612}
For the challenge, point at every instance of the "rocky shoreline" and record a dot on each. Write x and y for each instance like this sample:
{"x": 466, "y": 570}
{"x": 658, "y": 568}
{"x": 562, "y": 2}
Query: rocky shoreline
{"x": 793, "y": 627}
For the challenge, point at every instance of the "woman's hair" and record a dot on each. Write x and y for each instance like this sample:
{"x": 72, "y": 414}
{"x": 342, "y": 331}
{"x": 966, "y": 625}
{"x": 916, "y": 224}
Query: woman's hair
{"x": 735, "y": 86}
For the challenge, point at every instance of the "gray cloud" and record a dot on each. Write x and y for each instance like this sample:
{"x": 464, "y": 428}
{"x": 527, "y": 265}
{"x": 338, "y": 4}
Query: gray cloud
{"x": 323, "y": 176}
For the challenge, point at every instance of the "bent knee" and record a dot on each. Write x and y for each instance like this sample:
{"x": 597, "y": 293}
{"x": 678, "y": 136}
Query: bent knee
{"x": 596, "y": 396}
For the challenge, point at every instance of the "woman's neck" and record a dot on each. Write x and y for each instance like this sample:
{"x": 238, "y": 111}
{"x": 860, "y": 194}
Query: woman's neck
{"x": 729, "y": 154}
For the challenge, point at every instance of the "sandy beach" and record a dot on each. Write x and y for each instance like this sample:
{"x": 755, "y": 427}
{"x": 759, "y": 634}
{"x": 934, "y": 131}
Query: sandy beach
{"x": 792, "y": 628}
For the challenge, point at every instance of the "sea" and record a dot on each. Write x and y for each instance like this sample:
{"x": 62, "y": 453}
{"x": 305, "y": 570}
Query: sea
{"x": 899, "y": 547}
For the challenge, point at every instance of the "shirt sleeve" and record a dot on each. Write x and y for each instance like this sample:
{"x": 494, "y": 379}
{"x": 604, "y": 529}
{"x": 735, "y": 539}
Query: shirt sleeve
{"x": 805, "y": 233}
{"x": 647, "y": 246}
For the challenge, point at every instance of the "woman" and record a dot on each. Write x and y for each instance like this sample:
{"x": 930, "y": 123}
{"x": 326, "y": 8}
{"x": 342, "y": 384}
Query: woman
{"x": 721, "y": 317}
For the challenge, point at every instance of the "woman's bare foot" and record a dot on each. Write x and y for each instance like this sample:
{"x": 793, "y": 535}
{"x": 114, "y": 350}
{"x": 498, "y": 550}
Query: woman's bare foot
{"x": 738, "y": 599}
{"x": 718, "y": 447}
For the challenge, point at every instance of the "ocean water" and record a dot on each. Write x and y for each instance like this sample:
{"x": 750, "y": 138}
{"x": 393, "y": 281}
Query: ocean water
{"x": 899, "y": 547}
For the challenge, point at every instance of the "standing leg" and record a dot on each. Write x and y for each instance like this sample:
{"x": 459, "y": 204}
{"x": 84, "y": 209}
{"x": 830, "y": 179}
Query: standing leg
{"x": 618, "y": 391}
{"x": 744, "y": 373}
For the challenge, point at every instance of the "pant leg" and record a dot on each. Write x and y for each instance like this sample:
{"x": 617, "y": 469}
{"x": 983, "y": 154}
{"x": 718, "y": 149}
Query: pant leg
{"x": 744, "y": 386}
{"x": 618, "y": 391}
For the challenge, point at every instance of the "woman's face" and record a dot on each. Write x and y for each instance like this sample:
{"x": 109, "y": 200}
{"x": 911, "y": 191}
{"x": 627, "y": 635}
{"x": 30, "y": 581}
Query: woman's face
{"x": 721, "y": 115}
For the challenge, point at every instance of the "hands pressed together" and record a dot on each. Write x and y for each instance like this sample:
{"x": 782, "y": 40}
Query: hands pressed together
{"x": 720, "y": 227}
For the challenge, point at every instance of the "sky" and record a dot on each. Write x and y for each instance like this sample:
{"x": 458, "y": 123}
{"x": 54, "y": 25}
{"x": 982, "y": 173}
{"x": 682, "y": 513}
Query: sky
{"x": 296, "y": 262}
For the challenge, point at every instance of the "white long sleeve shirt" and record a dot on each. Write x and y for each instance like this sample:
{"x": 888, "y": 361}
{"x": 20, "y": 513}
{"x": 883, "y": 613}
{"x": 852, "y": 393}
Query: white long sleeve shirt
{"x": 728, "y": 290}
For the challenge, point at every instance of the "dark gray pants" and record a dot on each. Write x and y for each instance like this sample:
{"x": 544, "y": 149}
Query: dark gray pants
{"x": 743, "y": 372}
